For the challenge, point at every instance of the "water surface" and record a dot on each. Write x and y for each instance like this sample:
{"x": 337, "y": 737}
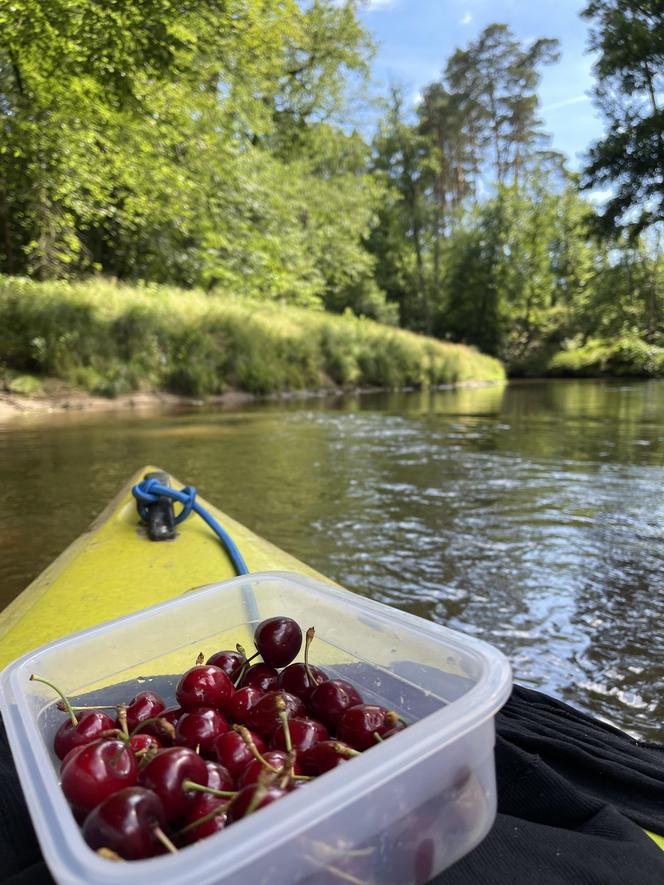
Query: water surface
{"x": 531, "y": 516}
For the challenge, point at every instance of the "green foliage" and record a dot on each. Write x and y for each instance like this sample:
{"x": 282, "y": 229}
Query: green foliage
{"x": 627, "y": 355}
{"x": 112, "y": 339}
{"x": 629, "y": 38}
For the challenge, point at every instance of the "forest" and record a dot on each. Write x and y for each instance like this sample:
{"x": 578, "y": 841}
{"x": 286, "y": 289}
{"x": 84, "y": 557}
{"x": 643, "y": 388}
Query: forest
{"x": 224, "y": 146}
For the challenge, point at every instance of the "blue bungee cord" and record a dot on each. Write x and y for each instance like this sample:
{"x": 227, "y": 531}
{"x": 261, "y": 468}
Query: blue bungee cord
{"x": 148, "y": 491}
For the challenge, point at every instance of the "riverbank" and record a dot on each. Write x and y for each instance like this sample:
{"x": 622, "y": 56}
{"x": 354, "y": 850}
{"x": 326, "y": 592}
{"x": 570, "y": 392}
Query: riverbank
{"x": 114, "y": 341}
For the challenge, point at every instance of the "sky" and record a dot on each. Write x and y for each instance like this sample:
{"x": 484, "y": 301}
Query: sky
{"x": 415, "y": 38}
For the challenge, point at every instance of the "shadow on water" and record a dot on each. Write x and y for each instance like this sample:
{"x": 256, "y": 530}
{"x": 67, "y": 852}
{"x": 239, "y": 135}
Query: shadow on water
{"x": 530, "y": 515}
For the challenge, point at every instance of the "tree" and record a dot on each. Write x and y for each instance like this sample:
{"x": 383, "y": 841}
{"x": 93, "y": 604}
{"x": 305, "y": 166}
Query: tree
{"x": 629, "y": 160}
{"x": 496, "y": 81}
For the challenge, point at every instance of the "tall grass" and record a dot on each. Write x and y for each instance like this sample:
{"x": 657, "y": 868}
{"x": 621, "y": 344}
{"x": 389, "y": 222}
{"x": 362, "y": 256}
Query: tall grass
{"x": 112, "y": 339}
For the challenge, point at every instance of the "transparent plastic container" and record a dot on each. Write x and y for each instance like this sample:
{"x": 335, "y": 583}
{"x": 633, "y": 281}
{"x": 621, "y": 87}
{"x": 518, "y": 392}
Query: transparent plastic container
{"x": 400, "y": 813}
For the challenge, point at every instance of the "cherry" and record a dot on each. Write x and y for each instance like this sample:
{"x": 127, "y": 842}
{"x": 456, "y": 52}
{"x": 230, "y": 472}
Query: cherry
{"x": 260, "y": 676}
{"x": 76, "y": 731}
{"x": 301, "y": 679}
{"x": 359, "y": 725}
{"x": 206, "y": 816}
{"x": 90, "y": 725}
{"x": 228, "y": 661}
{"x": 219, "y": 778}
{"x": 197, "y": 728}
{"x": 204, "y": 685}
{"x": 241, "y": 702}
{"x": 146, "y": 705}
{"x": 140, "y": 743}
{"x": 325, "y": 756}
{"x": 166, "y": 773}
{"x": 304, "y": 733}
{"x": 200, "y": 821}
{"x": 278, "y": 640}
{"x": 232, "y": 751}
{"x": 126, "y": 823}
{"x": 277, "y": 760}
{"x": 295, "y": 679}
{"x": 331, "y": 699}
{"x": 263, "y": 717}
{"x": 251, "y": 798}
{"x": 94, "y": 771}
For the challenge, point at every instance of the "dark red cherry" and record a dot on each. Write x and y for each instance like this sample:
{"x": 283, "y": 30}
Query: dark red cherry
{"x": 165, "y": 774}
{"x": 331, "y": 699}
{"x": 146, "y": 705}
{"x": 251, "y": 798}
{"x": 278, "y": 640}
{"x": 295, "y": 679}
{"x": 219, "y": 778}
{"x": 260, "y": 676}
{"x": 201, "y": 807}
{"x": 89, "y": 727}
{"x": 233, "y": 753}
{"x": 125, "y": 822}
{"x": 94, "y": 771}
{"x": 242, "y": 701}
{"x": 277, "y": 759}
{"x": 359, "y": 725}
{"x": 325, "y": 756}
{"x": 197, "y": 728}
{"x": 228, "y": 661}
{"x": 264, "y": 715}
{"x": 204, "y": 686}
{"x": 140, "y": 742}
{"x": 170, "y": 714}
{"x": 304, "y": 733}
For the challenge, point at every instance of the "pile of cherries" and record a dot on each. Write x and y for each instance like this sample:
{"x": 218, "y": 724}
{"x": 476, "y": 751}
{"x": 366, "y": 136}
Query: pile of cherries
{"x": 153, "y": 778}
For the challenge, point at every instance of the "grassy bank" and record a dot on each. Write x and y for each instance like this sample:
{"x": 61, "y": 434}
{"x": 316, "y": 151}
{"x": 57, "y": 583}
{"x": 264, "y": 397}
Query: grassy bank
{"x": 110, "y": 339}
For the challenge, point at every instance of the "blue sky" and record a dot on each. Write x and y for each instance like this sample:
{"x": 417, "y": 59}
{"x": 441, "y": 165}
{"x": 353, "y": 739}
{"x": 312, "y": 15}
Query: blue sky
{"x": 415, "y": 37}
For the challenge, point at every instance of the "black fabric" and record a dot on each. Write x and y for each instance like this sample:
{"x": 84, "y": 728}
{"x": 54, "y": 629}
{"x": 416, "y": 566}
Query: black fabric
{"x": 573, "y": 794}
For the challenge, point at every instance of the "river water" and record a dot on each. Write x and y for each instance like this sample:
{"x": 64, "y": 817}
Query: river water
{"x": 531, "y": 516}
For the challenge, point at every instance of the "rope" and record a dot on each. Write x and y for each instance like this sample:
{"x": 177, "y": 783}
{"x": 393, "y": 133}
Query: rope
{"x": 148, "y": 491}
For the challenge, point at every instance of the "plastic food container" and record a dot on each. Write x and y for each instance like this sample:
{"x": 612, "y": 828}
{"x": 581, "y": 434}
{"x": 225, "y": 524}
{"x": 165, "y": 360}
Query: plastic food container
{"x": 400, "y": 813}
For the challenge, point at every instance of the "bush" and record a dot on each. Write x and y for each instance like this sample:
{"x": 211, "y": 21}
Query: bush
{"x": 111, "y": 339}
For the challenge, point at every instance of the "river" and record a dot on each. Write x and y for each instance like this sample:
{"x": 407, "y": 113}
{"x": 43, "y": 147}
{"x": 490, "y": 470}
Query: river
{"x": 532, "y": 515}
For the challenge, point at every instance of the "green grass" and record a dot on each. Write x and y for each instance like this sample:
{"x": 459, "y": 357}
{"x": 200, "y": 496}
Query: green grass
{"x": 626, "y": 355}
{"x": 112, "y": 339}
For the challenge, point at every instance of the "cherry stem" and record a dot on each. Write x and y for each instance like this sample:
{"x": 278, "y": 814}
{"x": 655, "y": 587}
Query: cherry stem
{"x": 163, "y": 723}
{"x": 280, "y": 704}
{"x": 378, "y": 738}
{"x": 70, "y": 709}
{"x": 63, "y": 707}
{"x": 109, "y": 854}
{"x": 392, "y": 717}
{"x": 259, "y": 794}
{"x": 245, "y": 734}
{"x": 343, "y": 750}
{"x": 200, "y": 659}
{"x": 203, "y": 820}
{"x": 243, "y": 667}
{"x": 192, "y": 785}
{"x": 122, "y": 719}
{"x": 307, "y": 669}
{"x": 165, "y": 841}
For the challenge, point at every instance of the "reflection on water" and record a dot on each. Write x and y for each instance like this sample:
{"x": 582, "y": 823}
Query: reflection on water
{"x": 531, "y": 516}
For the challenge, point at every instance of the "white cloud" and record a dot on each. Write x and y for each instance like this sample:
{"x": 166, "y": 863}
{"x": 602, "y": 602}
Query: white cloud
{"x": 577, "y": 99}
{"x": 466, "y": 20}
{"x": 379, "y": 4}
